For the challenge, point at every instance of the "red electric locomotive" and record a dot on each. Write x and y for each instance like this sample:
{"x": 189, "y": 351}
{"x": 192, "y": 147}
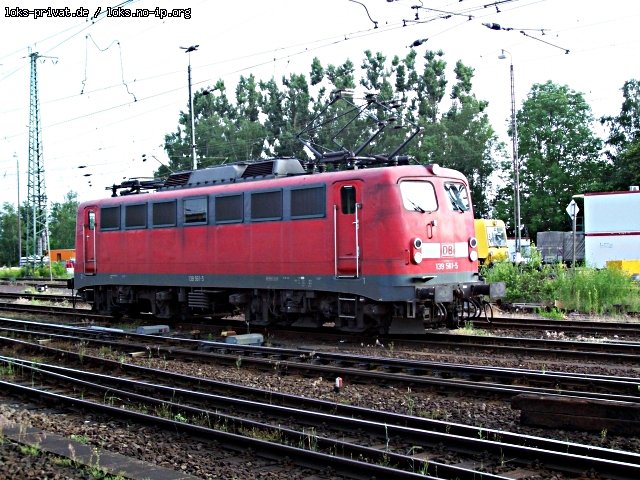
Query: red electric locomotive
{"x": 386, "y": 248}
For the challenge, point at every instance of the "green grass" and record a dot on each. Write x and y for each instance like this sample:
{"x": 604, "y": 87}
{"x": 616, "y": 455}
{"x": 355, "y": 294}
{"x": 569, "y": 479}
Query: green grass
{"x": 58, "y": 270}
{"x": 552, "y": 314}
{"x": 469, "y": 329}
{"x": 605, "y": 291}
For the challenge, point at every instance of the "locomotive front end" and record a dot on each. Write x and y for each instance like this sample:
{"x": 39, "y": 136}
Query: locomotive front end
{"x": 434, "y": 222}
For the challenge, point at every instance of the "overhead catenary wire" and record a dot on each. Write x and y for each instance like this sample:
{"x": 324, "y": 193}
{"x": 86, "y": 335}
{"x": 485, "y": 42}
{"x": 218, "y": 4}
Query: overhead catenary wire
{"x": 235, "y": 71}
{"x": 307, "y": 47}
{"x": 81, "y": 26}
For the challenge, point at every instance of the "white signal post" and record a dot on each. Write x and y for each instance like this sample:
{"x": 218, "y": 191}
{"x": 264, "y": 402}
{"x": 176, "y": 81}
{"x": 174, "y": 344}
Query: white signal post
{"x": 572, "y": 210}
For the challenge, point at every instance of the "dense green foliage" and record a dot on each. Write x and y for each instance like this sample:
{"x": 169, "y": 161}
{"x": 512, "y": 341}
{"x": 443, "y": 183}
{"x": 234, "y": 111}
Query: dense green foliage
{"x": 58, "y": 270}
{"x": 624, "y": 139}
{"x": 597, "y": 291}
{"x": 265, "y": 117}
{"x": 9, "y": 235}
{"x": 558, "y": 154}
{"x": 525, "y": 282}
{"x": 62, "y": 223}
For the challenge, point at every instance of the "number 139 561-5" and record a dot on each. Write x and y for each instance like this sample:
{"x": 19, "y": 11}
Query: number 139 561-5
{"x": 447, "y": 266}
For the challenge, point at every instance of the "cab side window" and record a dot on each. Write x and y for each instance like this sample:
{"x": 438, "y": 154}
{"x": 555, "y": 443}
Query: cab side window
{"x": 348, "y": 199}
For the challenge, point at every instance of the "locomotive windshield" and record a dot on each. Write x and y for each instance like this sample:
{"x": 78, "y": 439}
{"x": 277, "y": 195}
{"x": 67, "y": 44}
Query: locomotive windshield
{"x": 497, "y": 236}
{"x": 419, "y": 196}
{"x": 458, "y": 196}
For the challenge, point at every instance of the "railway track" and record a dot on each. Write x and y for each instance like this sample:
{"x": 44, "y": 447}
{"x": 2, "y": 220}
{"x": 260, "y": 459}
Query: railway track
{"x": 309, "y": 431}
{"x": 561, "y": 349}
{"x": 41, "y": 297}
{"x": 610, "y": 351}
{"x": 56, "y": 282}
{"x": 485, "y": 380}
{"x": 593, "y": 328}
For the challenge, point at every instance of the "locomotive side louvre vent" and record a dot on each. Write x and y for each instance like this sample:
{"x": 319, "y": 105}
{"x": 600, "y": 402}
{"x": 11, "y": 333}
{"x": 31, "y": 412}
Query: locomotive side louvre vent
{"x": 177, "y": 179}
{"x": 258, "y": 169}
{"x": 277, "y": 167}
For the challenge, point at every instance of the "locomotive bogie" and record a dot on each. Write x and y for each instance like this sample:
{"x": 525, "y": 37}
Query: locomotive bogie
{"x": 374, "y": 249}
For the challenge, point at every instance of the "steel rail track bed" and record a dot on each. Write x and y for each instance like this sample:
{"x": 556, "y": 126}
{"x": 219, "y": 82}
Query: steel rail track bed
{"x": 491, "y": 381}
{"x": 553, "y": 454}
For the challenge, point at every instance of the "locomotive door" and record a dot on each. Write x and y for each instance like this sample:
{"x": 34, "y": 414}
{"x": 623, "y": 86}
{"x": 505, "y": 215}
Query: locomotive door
{"x": 89, "y": 234}
{"x": 346, "y": 226}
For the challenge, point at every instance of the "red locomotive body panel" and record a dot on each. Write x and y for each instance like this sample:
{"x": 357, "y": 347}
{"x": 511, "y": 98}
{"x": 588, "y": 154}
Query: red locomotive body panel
{"x": 390, "y": 242}
{"x": 286, "y": 247}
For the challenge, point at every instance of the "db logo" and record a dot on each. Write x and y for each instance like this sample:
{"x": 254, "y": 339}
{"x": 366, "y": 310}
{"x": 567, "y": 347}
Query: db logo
{"x": 448, "y": 250}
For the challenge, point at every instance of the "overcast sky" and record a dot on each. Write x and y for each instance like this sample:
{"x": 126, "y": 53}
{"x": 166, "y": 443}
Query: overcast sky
{"x": 112, "y": 87}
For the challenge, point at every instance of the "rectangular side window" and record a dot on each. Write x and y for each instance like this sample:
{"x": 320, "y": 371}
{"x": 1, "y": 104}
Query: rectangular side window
{"x": 348, "y": 199}
{"x": 266, "y": 205}
{"x": 135, "y": 216}
{"x": 110, "y": 218}
{"x": 308, "y": 202}
{"x": 195, "y": 210}
{"x": 164, "y": 214}
{"x": 229, "y": 209}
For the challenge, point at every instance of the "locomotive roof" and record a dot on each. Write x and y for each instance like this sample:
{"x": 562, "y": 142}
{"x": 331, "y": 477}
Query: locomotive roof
{"x": 247, "y": 171}
{"x": 231, "y": 173}
{"x": 238, "y": 175}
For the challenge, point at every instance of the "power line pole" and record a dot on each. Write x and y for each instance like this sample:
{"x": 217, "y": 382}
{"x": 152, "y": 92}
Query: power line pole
{"x": 194, "y": 158}
{"x": 18, "y": 209}
{"x": 37, "y": 222}
{"x": 516, "y": 160}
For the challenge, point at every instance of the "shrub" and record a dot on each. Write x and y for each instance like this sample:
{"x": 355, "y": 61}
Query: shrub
{"x": 525, "y": 282}
{"x": 58, "y": 270}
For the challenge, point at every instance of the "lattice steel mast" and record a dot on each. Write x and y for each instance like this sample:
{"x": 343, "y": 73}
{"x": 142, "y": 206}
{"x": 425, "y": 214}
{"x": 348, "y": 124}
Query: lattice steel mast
{"x": 37, "y": 229}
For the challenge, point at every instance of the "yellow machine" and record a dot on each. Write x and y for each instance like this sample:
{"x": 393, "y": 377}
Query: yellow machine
{"x": 632, "y": 267}
{"x": 492, "y": 241}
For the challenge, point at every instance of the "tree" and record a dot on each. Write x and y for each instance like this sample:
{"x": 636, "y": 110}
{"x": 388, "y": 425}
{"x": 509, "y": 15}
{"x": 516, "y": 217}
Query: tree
{"x": 471, "y": 146}
{"x": 267, "y": 116}
{"x": 8, "y": 235}
{"x": 559, "y": 155}
{"x": 624, "y": 139}
{"x": 296, "y": 113}
{"x": 62, "y": 223}
{"x": 327, "y": 120}
{"x": 214, "y": 118}
{"x": 462, "y": 138}
{"x": 432, "y": 85}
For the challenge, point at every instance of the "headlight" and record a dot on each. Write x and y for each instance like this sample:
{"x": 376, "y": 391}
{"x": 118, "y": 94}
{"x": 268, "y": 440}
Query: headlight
{"x": 416, "y": 250}
{"x": 473, "y": 255}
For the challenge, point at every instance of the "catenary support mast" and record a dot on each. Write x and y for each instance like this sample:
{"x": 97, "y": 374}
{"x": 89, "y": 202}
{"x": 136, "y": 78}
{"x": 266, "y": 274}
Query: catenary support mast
{"x": 37, "y": 231}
